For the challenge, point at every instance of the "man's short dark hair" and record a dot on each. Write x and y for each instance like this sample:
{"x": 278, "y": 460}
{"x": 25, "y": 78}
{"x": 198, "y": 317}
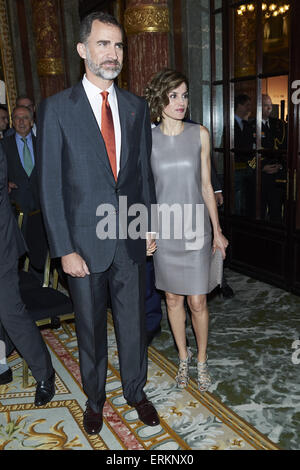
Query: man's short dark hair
{"x": 87, "y": 23}
{"x": 241, "y": 99}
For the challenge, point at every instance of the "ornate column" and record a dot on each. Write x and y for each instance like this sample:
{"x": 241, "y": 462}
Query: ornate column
{"x": 48, "y": 46}
{"x": 6, "y": 54}
{"x": 147, "y": 26}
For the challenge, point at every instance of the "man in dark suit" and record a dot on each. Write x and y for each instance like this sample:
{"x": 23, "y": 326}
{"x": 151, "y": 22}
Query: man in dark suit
{"x": 14, "y": 319}
{"x": 243, "y": 147}
{"x": 153, "y": 304}
{"x": 94, "y": 144}
{"x": 274, "y": 141}
{"x": 20, "y": 149}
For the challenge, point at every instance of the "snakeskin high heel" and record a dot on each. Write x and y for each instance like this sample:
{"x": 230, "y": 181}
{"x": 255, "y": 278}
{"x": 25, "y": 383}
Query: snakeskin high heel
{"x": 182, "y": 378}
{"x": 204, "y": 379}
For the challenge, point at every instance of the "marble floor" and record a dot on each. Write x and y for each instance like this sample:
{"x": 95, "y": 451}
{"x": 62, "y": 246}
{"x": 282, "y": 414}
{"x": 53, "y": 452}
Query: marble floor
{"x": 253, "y": 356}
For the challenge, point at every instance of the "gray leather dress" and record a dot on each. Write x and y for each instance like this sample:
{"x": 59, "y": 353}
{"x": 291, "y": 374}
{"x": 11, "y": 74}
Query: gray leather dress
{"x": 183, "y": 258}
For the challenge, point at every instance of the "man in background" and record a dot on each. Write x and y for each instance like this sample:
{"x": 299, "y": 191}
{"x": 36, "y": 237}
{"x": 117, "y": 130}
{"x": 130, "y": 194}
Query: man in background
{"x": 274, "y": 141}
{"x": 244, "y": 182}
{"x": 20, "y": 149}
{"x": 15, "y": 322}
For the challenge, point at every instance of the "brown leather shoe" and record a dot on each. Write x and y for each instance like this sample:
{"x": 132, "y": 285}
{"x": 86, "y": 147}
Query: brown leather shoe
{"x": 146, "y": 412}
{"x": 92, "y": 421}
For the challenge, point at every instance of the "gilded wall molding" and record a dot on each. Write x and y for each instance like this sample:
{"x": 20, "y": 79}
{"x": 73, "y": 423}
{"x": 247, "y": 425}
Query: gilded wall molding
{"x": 147, "y": 19}
{"x": 50, "y": 66}
{"x": 46, "y": 28}
{"x": 7, "y": 57}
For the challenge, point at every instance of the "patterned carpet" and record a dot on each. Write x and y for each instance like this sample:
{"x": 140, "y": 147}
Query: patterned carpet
{"x": 189, "y": 420}
{"x": 251, "y": 356}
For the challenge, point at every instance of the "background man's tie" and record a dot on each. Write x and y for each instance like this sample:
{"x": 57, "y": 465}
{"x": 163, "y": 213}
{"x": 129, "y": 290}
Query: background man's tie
{"x": 108, "y": 132}
{"x": 27, "y": 159}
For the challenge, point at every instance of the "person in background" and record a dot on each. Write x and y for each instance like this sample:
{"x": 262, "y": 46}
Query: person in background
{"x": 20, "y": 149}
{"x": 244, "y": 179}
{"x": 153, "y": 304}
{"x": 274, "y": 141}
{"x": 16, "y": 326}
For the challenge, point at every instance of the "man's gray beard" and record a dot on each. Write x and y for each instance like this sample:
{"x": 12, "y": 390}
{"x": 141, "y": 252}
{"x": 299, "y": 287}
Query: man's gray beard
{"x": 101, "y": 72}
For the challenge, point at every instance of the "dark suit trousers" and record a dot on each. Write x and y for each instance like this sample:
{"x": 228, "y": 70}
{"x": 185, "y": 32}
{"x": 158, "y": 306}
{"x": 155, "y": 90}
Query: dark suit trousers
{"x": 126, "y": 282}
{"x": 153, "y": 299}
{"x": 21, "y": 328}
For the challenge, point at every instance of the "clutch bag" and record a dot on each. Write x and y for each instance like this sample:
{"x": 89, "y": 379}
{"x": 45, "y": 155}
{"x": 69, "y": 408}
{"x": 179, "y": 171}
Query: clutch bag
{"x": 216, "y": 271}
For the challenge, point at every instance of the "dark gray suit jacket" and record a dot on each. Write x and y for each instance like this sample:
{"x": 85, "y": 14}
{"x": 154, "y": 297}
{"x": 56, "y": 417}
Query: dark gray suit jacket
{"x": 75, "y": 174}
{"x": 27, "y": 193}
{"x": 16, "y": 326}
{"x": 12, "y": 245}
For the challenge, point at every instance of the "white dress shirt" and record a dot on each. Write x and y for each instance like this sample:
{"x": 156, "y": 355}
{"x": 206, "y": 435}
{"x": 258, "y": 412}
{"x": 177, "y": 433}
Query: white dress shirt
{"x": 239, "y": 121}
{"x": 95, "y": 99}
{"x": 266, "y": 122}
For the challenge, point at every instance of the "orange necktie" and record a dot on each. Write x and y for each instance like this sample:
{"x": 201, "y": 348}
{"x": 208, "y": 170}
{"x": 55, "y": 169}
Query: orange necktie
{"x": 108, "y": 132}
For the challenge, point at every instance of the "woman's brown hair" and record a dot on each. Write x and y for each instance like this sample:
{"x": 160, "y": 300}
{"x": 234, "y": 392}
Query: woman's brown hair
{"x": 156, "y": 92}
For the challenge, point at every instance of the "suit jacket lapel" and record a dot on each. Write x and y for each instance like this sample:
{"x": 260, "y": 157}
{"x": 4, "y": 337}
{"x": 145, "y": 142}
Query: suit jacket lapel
{"x": 126, "y": 115}
{"x": 86, "y": 124}
{"x": 35, "y": 156}
{"x": 18, "y": 163}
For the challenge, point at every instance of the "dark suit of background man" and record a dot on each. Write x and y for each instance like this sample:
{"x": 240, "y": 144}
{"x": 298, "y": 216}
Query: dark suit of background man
{"x": 77, "y": 174}
{"x": 20, "y": 149}
{"x": 273, "y": 138}
{"x": 14, "y": 319}
{"x": 243, "y": 145}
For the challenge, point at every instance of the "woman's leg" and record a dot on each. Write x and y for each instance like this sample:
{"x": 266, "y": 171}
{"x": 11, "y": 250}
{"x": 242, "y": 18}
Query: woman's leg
{"x": 177, "y": 318}
{"x": 198, "y": 307}
{"x": 199, "y": 311}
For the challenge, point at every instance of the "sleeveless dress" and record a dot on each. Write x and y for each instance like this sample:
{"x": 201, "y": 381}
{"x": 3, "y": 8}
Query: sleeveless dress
{"x": 182, "y": 261}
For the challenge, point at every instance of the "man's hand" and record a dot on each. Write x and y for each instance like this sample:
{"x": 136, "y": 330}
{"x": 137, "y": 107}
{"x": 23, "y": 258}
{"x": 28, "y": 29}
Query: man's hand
{"x": 11, "y": 186}
{"x": 151, "y": 247}
{"x": 219, "y": 199}
{"x": 150, "y": 243}
{"x": 74, "y": 265}
{"x": 271, "y": 169}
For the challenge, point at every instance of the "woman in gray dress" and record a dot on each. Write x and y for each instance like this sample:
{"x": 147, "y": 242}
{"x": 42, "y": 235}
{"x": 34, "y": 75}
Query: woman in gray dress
{"x": 188, "y": 214}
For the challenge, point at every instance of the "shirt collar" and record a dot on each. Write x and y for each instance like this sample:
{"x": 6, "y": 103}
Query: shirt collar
{"x": 92, "y": 90}
{"x": 28, "y": 137}
{"x": 239, "y": 121}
